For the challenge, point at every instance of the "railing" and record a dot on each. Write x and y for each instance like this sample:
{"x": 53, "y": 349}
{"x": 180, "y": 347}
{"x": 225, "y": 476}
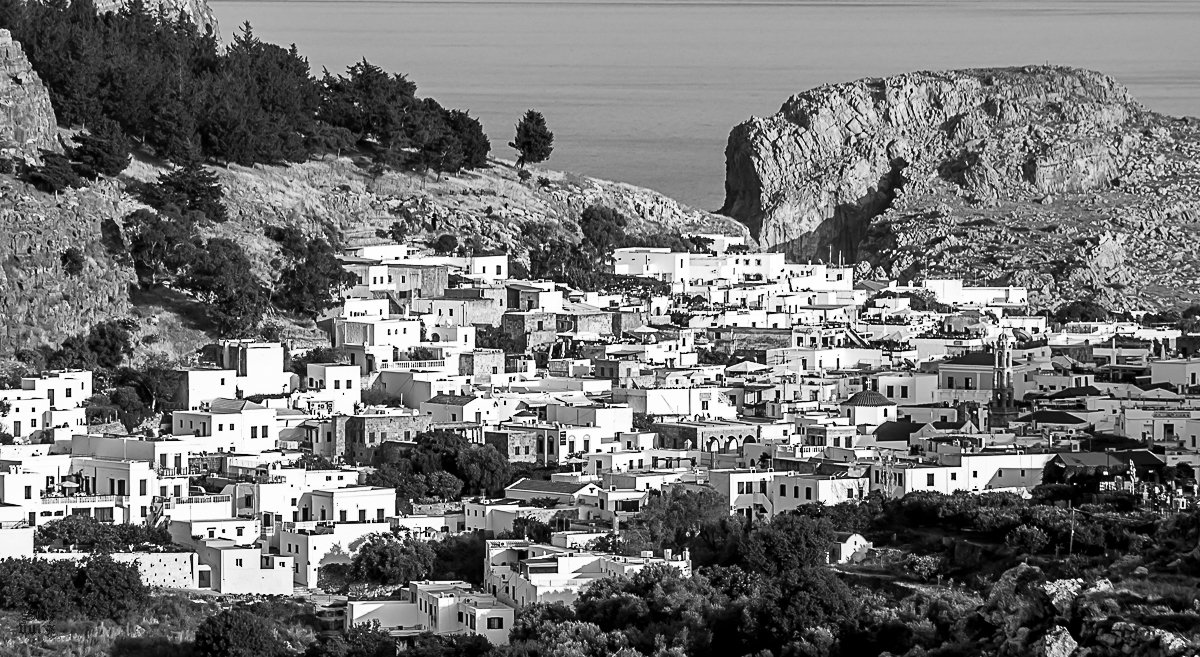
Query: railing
{"x": 203, "y": 499}
{"x": 178, "y": 472}
{"x": 83, "y": 499}
{"x": 413, "y": 365}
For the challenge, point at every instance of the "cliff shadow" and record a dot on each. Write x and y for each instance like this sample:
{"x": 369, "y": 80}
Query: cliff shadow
{"x": 841, "y": 236}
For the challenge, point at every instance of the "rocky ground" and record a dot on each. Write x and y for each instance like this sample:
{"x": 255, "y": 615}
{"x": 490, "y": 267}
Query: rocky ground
{"x": 1124, "y": 244}
{"x": 336, "y": 197}
{"x": 1048, "y": 177}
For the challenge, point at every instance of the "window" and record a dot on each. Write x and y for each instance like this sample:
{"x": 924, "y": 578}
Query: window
{"x": 337, "y": 384}
{"x": 904, "y": 392}
{"x": 929, "y": 480}
{"x": 891, "y": 391}
{"x": 342, "y": 515}
{"x": 783, "y": 490}
{"x": 950, "y": 382}
{"x": 953, "y": 476}
{"x": 237, "y": 562}
{"x": 762, "y": 485}
{"x": 241, "y": 531}
{"x": 495, "y": 623}
{"x": 29, "y": 492}
{"x": 142, "y": 487}
{"x": 741, "y": 488}
{"x": 808, "y": 492}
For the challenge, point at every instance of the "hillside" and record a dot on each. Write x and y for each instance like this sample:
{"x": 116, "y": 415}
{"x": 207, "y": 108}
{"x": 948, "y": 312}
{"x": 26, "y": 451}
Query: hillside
{"x": 1048, "y": 177}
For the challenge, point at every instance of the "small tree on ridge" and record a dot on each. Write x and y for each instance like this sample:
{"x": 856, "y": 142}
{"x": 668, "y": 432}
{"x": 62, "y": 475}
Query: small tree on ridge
{"x": 534, "y": 141}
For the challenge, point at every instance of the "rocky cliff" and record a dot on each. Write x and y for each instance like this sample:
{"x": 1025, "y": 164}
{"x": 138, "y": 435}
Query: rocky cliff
{"x": 197, "y": 11}
{"x": 1050, "y": 177}
{"x": 39, "y": 301}
{"x": 27, "y": 122}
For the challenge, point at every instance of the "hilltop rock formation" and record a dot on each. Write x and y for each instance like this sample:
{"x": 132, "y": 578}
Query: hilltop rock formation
{"x": 197, "y": 11}
{"x": 1049, "y": 177}
{"x": 28, "y": 123}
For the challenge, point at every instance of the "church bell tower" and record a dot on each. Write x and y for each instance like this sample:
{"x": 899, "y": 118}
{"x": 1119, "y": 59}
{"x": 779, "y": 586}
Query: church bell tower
{"x": 1003, "y": 408}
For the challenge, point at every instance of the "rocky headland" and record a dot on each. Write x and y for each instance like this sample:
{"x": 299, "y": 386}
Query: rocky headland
{"x": 1048, "y": 177}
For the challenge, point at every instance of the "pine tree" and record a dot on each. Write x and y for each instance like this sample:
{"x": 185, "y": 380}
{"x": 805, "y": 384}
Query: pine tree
{"x": 534, "y": 141}
{"x": 102, "y": 150}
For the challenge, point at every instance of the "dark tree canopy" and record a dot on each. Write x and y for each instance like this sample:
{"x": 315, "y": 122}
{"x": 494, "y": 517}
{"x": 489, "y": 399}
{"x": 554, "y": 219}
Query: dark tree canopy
{"x": 73, "y": 261}
{"x": 177, "y": 92}
{"x": 534, "y": 141}
{"x": 238, "y": 633}
{"x": 102, "y": 150}
{"x": 311, "y": 279}
{"x": 603, "y": 229}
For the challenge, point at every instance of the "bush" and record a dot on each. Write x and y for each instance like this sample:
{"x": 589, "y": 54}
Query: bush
{"x": 100, "y": 588}
{"x": 72, "y": 261}
{"x": 103, "y": 149}
{"x": 1027, "y": 540}
{"x": 236, "y": 633}
{"x": 445, "y": 244}
{"x": 54, "y": 174}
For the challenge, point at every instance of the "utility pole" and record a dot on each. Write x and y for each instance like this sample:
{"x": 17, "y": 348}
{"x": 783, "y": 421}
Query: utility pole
{"x": 1071, "y": 540}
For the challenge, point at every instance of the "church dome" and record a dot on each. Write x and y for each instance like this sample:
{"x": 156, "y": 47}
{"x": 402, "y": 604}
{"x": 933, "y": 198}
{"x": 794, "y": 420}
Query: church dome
{"x": 868, "y": 398}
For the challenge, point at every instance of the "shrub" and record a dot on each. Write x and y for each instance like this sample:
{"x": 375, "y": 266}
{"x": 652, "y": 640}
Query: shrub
{"x": 1027, "y": 540}
{"x": 72, "y": 261}
{"x": 236, "y": 633}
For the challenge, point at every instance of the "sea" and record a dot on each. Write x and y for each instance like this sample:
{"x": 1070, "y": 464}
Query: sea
{"x": 647, "y": 92}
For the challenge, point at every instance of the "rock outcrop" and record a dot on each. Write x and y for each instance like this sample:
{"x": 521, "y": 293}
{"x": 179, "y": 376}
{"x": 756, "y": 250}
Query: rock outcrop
{"x": 40, "y": 302}
{"x": 27, "y": 122}
{"x": 197, "y": 11}
{"x": 1048, "y": 177}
